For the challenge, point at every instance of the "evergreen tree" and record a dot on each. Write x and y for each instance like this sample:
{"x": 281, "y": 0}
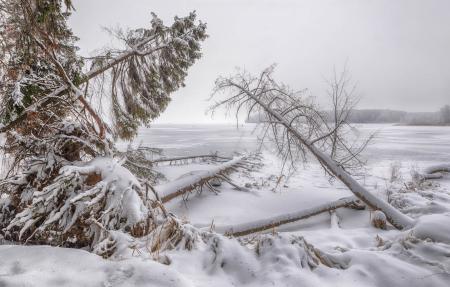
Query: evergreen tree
{"x": 63, "y": 185}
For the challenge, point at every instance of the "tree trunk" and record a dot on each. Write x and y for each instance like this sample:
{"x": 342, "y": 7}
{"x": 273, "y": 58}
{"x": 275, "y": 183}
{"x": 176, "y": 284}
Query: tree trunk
{"x": 394, "y": 216}
{"x": 269, "y": 223}
{"x": 191, "y": 181}
{"x": 90, "y": 75}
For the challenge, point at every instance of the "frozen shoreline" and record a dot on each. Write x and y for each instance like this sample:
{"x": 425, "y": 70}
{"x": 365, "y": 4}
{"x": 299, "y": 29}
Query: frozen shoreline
{"x": 375, "y": 257}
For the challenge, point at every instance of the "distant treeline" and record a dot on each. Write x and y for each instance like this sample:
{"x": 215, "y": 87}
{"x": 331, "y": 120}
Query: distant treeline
{"x": 441, "y": 117}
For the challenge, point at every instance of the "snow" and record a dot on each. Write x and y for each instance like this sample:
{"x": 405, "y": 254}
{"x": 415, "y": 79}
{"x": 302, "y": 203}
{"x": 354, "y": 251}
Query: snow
{"x": 219, "y": 262}
{"x": 379, "y": 215}
{"x": 369, "y": 256}
{"x": 261, "y": 202}
{"x": 17, "y": 94}
{"x": 122, "y": 197}
{"x": 369, "y": 266}
{"x": 116, "y": 189}
{"x": 109, "y": 169}
{"x": 53, "y": 266}
{"x": 435, "y": 227}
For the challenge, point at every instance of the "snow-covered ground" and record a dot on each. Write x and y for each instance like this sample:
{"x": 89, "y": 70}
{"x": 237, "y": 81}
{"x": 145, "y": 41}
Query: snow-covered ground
{"x": 373, "y": 257}
{"x": 411, "y": 148}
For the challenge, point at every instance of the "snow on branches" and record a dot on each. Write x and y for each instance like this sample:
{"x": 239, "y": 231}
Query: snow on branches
{"x": 141, "y": 79}
{"x": 62, "y": 185}
{"x": 85, "y": 199}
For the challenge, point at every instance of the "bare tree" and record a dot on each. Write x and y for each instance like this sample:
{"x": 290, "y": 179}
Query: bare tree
{"x": 298, "y": 127}
{"x": 343, "y": 101}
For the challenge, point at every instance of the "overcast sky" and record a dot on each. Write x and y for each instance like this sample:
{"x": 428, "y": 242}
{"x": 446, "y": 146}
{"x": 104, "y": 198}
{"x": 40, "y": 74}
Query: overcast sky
{"x": 397, "y": 51}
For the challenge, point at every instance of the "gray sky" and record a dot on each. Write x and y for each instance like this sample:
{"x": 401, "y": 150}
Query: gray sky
{"x": 396, "y": 51}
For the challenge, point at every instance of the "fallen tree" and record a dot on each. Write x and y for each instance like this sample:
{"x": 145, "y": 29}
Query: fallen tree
{"x": 187, "y": 159}
{"x": 272, "y": 222}
{"x": 198, "y": 179}
{"x": 435, "y": 171}
{"x": 297, "y": 127}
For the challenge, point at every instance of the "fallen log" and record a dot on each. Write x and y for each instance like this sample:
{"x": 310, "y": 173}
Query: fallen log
{"x": 198, "y": 179}
{"x": 435, "y": 171}
{"x": 272, "y": 222}
{"x": 193, "y": 158}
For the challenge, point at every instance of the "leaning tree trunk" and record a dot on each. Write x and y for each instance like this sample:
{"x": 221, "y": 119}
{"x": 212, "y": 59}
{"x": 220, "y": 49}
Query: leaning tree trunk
{"x": 135, "y": 50}
{"x": 394, "y": 216}
{"x": 64, "y": 88}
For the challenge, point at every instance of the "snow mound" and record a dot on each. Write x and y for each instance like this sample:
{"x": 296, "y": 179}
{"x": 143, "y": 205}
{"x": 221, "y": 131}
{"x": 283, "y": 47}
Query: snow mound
{"x": 51, "y": 266}
{"x": 435, "y": 227}
{"x": 379, "y": 215}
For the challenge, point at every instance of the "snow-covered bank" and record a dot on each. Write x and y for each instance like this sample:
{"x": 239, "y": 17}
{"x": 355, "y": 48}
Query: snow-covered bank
{"x": 367, "y": 256}
{"x": 52, "y": 266}
{"x": 400, "y": 261}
